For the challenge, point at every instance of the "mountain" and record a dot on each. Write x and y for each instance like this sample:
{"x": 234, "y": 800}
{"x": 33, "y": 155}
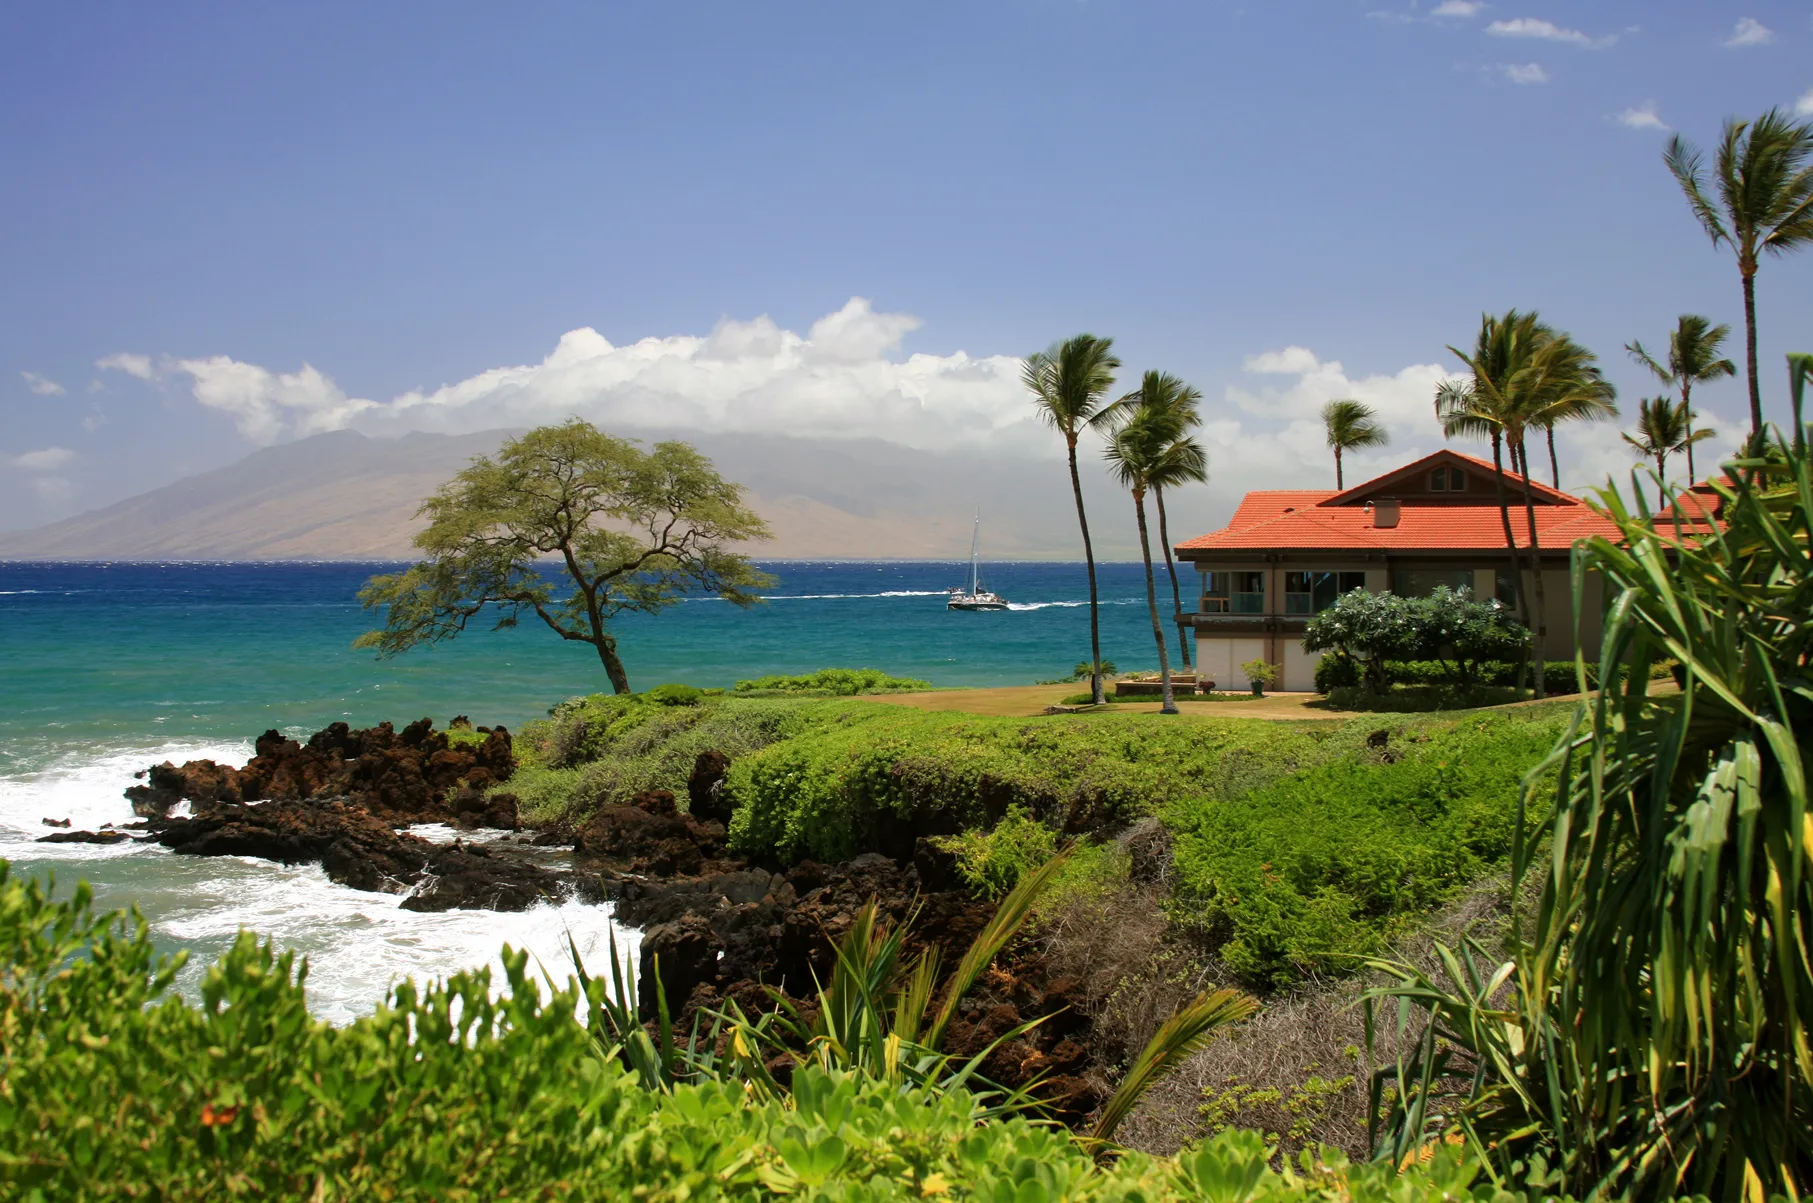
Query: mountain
{"x": 351, "y": 496}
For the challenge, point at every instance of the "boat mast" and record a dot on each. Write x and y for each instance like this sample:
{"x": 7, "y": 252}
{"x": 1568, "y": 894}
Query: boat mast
{"x": 975, "y": 548}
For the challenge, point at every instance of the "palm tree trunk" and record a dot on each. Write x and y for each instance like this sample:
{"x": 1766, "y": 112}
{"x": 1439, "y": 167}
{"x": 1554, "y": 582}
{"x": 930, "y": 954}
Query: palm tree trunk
{"x": 1756, "y": 396}
{"x": 1554, "y": 464}
{"x": 1339, "y": 486}
{"x": 1518, "y": 601}
{"x": 1661, "y": 480}
{"x": 1687, "y": 413}
{"x": 1169, "y": 704}
{"x": 1540, "y": 629}
{"x": 1095, "y": 624}
{"x": 1164, "y": 535}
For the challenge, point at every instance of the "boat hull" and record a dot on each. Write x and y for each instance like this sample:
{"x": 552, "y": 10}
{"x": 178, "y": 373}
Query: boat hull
{"x": 975, "y": 605}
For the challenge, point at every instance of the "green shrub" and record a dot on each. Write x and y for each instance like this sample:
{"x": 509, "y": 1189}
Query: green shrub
{"x": 1336, "y": 670}
{"x": 993, "y": 861}
{"x": 115, "y": 1088}
{"x": 675, "y": 695}
{"x": 857, "y": 776}
{"x": 833, "y": 683}
{"x": 1309, "y": 872}
{"x": 1421, "y": 699}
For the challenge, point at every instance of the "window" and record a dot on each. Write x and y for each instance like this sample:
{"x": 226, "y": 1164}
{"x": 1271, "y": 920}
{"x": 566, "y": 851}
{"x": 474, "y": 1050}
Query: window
{"x": 1314, "y": 592}
{"x": 1249, "y": 592}
{"x": 1215, "y": 592}
{"x": 1421, "y": 582}
{"x": 1448, "y": 480}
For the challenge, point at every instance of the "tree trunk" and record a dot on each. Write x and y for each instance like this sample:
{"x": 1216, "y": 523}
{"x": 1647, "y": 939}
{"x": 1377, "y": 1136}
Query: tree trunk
{"x": 1554, "y": 464}
{"x": 1687, "y": 412}
{"x": 1756, "y": 396}
{"x": 1095, "y": 623}
{"x": 1169, "y": 705}
{"x": 1661, "y": 481}
{"x": 613, "y": 665}
{"x": 1518, "y": 601}
{"x": 1164, "y": 534}
{"x": 1541, "y": 627}
{"x": 1339, "y": 487}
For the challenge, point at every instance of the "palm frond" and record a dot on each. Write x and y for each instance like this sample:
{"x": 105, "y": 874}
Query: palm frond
{"x": 1182, "y": 1034}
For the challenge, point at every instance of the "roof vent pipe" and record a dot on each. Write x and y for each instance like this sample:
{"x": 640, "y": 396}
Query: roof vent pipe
{"x": 1385, "y": 513}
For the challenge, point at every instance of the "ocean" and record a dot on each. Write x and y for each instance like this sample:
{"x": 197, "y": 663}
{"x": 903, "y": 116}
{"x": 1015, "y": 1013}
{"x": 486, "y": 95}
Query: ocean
{"x": 108, "y": 668}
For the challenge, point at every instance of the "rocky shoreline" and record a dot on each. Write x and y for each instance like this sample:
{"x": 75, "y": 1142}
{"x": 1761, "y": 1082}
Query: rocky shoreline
{"x": 722, "y": 929}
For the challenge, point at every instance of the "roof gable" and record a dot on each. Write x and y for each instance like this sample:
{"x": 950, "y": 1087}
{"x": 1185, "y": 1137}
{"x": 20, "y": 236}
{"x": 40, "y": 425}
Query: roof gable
{"x": 1413, "y": 478}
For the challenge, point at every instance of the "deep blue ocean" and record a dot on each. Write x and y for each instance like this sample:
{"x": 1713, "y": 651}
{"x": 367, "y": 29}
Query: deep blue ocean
{"x": 107, "y": 668}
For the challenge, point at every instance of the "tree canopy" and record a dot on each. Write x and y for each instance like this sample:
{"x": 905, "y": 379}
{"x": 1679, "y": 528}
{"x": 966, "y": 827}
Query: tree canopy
{"x": 632, "y": 531}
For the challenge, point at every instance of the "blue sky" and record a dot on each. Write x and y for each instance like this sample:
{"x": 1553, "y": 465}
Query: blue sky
{"x": 1278, "y": 201}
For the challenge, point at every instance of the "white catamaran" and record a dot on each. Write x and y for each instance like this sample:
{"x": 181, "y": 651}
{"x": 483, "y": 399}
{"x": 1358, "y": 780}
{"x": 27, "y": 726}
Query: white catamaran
{"x": 975, "y": 598}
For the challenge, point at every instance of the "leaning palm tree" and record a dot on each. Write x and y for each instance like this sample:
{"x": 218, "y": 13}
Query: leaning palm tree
{"x": 1693, "y": 358}
{"x": 1185, "y": 462}
{"x": 1136, "y": 452}
{"x": 1765, "y": 203}
{"x": 1570, "y": 388}
{"x": 1068, "y": 382}
{"x": 1351, "y": 425}
{"x": 1663, "y": 428}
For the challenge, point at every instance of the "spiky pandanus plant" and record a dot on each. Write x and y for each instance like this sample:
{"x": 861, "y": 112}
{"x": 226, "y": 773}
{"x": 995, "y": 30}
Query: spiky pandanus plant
{"x": 1693, "y": 359}
{"x": 1069, "y": 382}
{"x": 1763, "y": 176}
{"x": 1651, "y": 1034}
{"x": 1349, "y": 426}
{"x": 1663, "y": 429}
{"x": 1182, "y": 461}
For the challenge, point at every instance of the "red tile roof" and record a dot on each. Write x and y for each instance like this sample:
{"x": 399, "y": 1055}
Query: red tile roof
{"x": 1321, "y": 519}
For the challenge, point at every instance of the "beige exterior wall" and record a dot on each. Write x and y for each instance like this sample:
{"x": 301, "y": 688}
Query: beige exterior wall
{"x": 1220, "y": 657}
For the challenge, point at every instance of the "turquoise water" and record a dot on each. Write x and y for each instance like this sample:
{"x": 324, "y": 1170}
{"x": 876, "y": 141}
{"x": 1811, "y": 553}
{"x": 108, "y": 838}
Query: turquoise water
{"x": 107, "y": 668}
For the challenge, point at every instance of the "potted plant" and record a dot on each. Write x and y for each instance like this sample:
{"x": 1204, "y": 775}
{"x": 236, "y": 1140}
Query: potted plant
{"x": 1259, "y": 674}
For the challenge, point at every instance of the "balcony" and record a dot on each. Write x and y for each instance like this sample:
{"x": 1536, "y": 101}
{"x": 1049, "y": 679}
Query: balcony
{"x": 1243, "y": 624}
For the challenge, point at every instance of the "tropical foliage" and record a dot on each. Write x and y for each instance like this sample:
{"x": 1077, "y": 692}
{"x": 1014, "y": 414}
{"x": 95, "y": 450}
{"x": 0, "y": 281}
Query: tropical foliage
{"x": 833, "y": 682}
{"x": 634, "y": 531}
{"x": 1373, "y": 629}
{"x": 1069, "y": 384}
{"x": 1758, "y": 200}
{"x": 1350, "y": 425}
{"x": 1664, "y": 427}
{"x": 1692, "y": 360}
{"x": 1651, "y": 1033}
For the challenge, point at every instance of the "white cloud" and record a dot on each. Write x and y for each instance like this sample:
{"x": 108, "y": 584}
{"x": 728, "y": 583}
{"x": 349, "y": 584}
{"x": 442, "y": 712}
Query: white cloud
{"x": 125, "y": 361}
{"x": 42, "y": 385}
{"x": 1750, "y": 32}
{"x": 843, "y": 377}
{"x": 1804, "y": 106}
{"x": 1547, "y": 31}
{"x": 45, "y": 459}
{"x": 1525, "y": 73}
{"x": 1641, "y": 117}
{"x": 1457, "y": 8}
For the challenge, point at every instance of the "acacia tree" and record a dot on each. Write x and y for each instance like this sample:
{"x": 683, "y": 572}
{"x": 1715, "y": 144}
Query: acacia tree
{"x": 1764, "y": 184}
{"x": 1693, "y": 358}
{"x": 632, "y": 531}
{"x": 1067, "y": 383}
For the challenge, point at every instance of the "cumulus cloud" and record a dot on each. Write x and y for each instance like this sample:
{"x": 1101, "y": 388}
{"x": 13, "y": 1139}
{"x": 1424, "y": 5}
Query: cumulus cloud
{"x": 1526, "y": 73}
{"x": 1457, "y": 8}
{"x": 1749, "y": 32}
{"x": 1547, "y": 31}
{"x": 1804, "y": 106}
{"x": 1641, "y": 117}
{"x": 46, "y": 459}
{"x": 127, "y": 362}
{"x": 44, "y": 386}
{"x": 843, "y": 377}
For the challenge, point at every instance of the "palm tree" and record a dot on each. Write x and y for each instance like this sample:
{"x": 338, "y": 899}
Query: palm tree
{"x": 1664, "y": 427}
{"x": 1068, "y": 382}
{"x": 1493, "y": 404}
{"x": 1571, "y": 388}
{"x": 1136, "y": 452}
{"x": 1693, "y": 349}
{"x": 1765, "y": 203}
{"x": 1184, "y": 461}
{"x": 1351, "y": 425}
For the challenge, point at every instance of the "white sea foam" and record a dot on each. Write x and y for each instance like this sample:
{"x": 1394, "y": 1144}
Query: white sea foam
{"x": 358, "y": 944}
{"x": 853, "y": 596}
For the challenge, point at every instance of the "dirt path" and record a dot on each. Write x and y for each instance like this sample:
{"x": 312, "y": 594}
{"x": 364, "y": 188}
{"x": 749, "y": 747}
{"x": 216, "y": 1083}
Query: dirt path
{"x": 1028, "y": 700}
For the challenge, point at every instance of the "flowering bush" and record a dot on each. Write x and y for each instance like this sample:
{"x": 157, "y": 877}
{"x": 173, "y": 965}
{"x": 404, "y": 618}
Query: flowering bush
{"x": 1448, "y": 625}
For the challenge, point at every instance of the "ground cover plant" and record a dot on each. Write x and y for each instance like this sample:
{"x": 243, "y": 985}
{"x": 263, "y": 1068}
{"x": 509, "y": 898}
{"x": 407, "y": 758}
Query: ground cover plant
{"x": 831, "y": 683}
{"x": 116, "y": 1088}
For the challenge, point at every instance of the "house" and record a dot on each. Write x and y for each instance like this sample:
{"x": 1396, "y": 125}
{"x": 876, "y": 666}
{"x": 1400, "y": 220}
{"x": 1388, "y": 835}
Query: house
{"x": 1288, "y": 553}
